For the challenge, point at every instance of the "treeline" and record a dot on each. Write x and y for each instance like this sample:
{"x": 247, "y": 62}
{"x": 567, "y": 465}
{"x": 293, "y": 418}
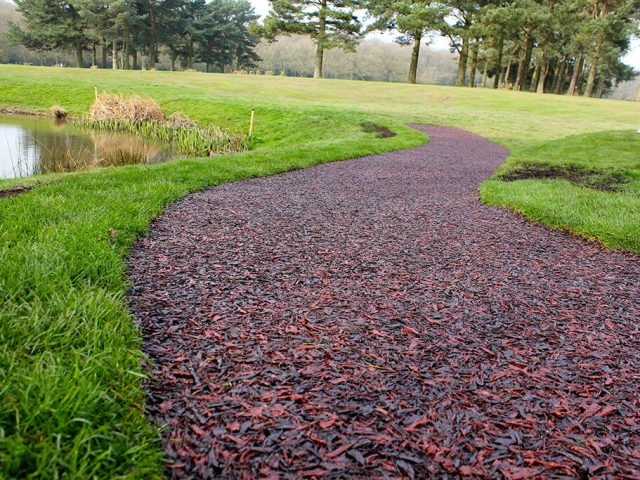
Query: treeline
{"x": 559, "y": 46}
{"x": 131, "y": 34}
{"x": 546, "y": 46}
{"x": 373, "y": 60}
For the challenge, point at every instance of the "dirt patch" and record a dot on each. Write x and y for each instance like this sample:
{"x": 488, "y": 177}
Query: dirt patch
{"x": 13, "y": 191}
{"x": 379, "y": 130}
{"x": 603, "y": 180}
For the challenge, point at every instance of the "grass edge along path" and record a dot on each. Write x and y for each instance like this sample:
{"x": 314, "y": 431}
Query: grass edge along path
{"x": 70, "y": 360}
{"x": 609, "y": 217}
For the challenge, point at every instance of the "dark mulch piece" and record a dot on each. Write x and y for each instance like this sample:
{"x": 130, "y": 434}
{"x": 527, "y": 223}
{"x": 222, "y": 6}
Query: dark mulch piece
{"x": 604, "y": 180}
{"x": 379, "y": 130}
{"x": 371, "y": 318}
{"x": 10, "y": 192}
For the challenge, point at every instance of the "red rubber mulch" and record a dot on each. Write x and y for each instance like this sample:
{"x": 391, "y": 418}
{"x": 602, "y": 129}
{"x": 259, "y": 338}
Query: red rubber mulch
{"x": 372, "y": 319}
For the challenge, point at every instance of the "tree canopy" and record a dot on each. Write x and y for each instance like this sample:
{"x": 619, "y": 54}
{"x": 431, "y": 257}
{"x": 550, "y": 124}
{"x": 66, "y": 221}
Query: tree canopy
{"x": 216, "y": 32}
{"x": 329, "y": 23}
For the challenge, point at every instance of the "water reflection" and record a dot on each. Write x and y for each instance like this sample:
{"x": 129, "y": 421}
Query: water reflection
{"x": 30, "y": 145}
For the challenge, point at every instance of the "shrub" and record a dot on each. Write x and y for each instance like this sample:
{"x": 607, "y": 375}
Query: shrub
{"x": 58, "y": 112}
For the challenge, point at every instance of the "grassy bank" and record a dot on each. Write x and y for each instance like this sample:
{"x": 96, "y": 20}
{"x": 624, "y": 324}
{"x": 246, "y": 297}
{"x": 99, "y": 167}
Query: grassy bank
{"x": 70, "y": 397}
{"x": 600, "y": 199}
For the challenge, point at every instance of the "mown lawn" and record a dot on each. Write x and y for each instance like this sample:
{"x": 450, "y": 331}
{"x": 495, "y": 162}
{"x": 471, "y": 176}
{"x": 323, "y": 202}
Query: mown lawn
{"x": 70, "y": 362}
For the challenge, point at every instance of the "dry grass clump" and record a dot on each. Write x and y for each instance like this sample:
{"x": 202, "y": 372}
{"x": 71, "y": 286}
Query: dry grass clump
{"x": 58, "y": 112}
{"x": 180, "y": 120}
{"x": 111, "y": 106}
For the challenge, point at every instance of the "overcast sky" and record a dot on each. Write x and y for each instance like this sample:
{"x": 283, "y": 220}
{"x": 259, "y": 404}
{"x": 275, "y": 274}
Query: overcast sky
{"x": 441, "y": 43}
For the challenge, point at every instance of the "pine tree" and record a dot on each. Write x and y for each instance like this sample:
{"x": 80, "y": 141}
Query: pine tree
{"x": 227, "y": 36}
{"x": 413, "y": 19}
{"x": 329, "y": 23}
{"x": 50, "y": 24}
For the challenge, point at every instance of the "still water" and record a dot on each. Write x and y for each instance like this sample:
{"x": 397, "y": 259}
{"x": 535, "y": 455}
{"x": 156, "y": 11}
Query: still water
{"x": 33, "y": 145}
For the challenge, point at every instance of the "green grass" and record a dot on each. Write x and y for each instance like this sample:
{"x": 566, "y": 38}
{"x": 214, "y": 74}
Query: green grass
{"x": 70, "y": 375}
{"x": 611, "y": 217}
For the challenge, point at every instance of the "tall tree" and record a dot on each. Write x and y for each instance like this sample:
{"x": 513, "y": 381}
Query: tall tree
{"x": 329, "y": 23}
{"x": 227, "y": 35}
{"x": 413, "y": 19}
{"x": 464, "y": 14}
{"x": 50, "y": 24}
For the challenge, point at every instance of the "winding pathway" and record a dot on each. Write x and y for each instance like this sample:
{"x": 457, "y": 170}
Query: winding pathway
{"x": 372, "y": 319}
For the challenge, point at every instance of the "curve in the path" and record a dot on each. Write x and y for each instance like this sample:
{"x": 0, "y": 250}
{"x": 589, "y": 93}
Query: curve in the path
{"x": 371, "y": 318}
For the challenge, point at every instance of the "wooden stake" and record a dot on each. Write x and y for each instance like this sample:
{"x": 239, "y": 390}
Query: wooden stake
{"x": 96, "y": 91}
{"x": 251, "y": 124}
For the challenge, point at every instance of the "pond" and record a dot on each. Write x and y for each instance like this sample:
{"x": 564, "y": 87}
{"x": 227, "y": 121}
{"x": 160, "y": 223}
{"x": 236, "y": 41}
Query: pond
{"x": 34, "y": 145}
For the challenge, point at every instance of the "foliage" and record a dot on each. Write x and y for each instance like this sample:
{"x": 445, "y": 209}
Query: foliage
{"x": 188, "y": 140}
{"x": 143, "y": 117}
{"x": 214, "y": 33}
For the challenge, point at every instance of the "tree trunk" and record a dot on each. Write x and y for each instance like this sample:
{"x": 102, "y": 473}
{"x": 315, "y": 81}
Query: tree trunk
{"x": 173, "y": 62}
{"x": 322, "y": 30}
{"x": 507, "y": 74}
{"x": 123, "y": 56}
{"x": 544, "y": 70}
{"x": 474, "y": 63}
{"x": 600, "y": 89}
{"x": 114, "y": 56}
{"x": 574, "y": 84}
{"x": 462, "y": 61}
{"x": 153, "y": 37}
{"x": 534, "y": 79}
{"x": 317, "y": 72}
{"x": 78, "y": 55}
{"x": 415, "y": 54}
{"x": 125, "y": 53}
{"x": 496, "y": 80}
{"x": 103, "y": 48}
{"x": 593, "y": 68}
{"x": 484, "y": 75}
{"x": 523, "y": 65}
{"x": 190, "y": 55}
{"x": 94, "y": 58}
{"x": 555, "y": 75}
{"x": 561, "y": 76}
{"x": 134, "y": 58}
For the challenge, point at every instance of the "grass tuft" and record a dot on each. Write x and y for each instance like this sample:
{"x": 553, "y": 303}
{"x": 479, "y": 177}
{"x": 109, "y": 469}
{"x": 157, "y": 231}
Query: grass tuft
{"x": 188, "y": 140}
{"x": 58, "y": 112}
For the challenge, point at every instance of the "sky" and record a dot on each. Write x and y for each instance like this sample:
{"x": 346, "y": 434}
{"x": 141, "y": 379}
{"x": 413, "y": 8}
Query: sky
{"x": 441, "y": 43}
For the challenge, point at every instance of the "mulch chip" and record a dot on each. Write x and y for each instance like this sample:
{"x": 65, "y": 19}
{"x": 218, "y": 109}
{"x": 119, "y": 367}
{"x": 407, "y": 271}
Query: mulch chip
{"x": 372, "y": 319}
